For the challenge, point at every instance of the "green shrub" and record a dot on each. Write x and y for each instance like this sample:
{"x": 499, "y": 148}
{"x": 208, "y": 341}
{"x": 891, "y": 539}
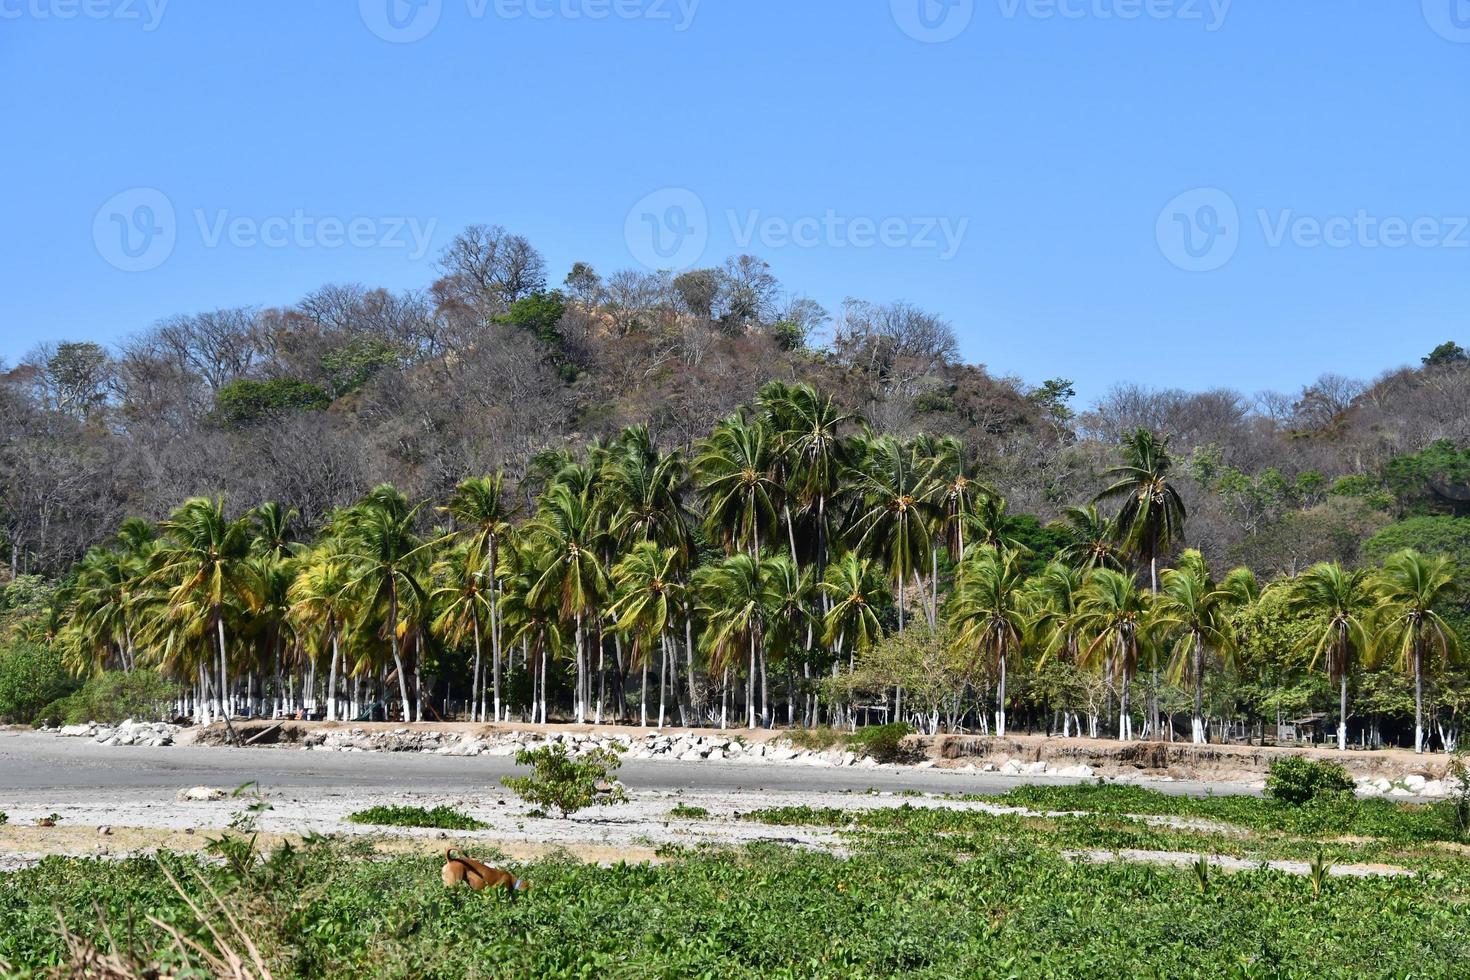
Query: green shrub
{"x": 882, "y": 742}
{"x": 1295, "y": 780}
{"x": 565, "y": 782}
{"x": 816, "y": 739}
{"x": 113, "y": 697}
{"x": 682, "y": 812}
{"x": 4, "y": 818}
{"x": 31, "y": 677}
{"x": 441, "y": 817}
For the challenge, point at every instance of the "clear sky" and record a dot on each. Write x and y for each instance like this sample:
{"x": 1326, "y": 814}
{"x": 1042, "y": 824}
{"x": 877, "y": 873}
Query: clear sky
{"x": 1015, "y": 165}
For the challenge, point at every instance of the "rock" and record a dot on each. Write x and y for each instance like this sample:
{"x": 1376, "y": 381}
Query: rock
{"x": 1033, "y": 768}
{"x": 693, "y": 755}
{"x": 104, "y": 831}
{"x": 1076, "y": 772}
{"x": 1010, "y": 768}
{"x": 1399, "y": 791}
{"x": 201, "y": 793}
{"x": 1434, "y": 787}
{"x": 926, "y": 764}
{"x": 77, "y": 731}
{"x": 1414, "y": 783}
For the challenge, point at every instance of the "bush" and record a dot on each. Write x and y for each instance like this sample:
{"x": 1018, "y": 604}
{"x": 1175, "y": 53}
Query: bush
{"x": 1296, "y": 781}
{"x": 113, "y": 697}
{"x": 441, "y": 817}
{"x": 567, "y": 783}
{"x": 882, "y": 742}
{"x": 30, "y": 678}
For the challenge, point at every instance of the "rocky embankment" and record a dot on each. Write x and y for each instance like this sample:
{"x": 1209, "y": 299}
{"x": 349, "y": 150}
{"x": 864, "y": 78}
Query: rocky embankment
{"x": 130, "y": 732}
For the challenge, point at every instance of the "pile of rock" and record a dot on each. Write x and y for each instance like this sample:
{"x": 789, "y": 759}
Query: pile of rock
{"x": 1412, "y": 785}
{"x": 685, "y": 747}
{"x": 130, "y": 732}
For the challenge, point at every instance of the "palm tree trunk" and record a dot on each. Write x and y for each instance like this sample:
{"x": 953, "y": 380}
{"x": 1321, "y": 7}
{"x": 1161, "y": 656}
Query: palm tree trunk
{"x": 601, "y": 678}
{"x": 398, "y": 654}
{"x": 478, "y": 675}
{"x": 332, "y": 678}
{"x": 689, "y": 656}
{"x": 765, "y": 690}
{"x": 1342, "y": 712}
{"x": 663, "y": 676}
{"x": 750, "y": 686}
{"x": 1199, "y": 692}
{"x": 1000, "y": 698}
{"x": 643, "y": 697}
{"x": 544, "y": 683}
{"x": 494, "y": 632}
{"x": 581, "y": 712}
{"x": 1418, "y": 698}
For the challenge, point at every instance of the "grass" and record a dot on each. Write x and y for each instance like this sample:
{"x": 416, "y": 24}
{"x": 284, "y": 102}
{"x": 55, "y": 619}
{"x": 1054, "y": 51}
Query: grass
{"x": 440, "y": 817}
{"x": 911, "y": 907}
{"x": 925, "y": 891}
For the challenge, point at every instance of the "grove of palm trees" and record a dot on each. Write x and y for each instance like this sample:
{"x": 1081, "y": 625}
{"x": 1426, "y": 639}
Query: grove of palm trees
{"x": 792, "y": 568}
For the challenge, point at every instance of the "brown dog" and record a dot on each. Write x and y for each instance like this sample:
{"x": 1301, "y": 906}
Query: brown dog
{"x": 459, "y": 869}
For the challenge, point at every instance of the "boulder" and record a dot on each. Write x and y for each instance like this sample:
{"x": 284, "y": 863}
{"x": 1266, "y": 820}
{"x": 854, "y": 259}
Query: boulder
{"x": 196, "y": 794}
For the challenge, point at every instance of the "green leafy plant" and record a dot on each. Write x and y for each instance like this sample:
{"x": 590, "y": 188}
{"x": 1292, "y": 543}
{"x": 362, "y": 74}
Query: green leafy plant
{"x": 1202, "y": 874}
{"x": 1296, "y": 781}
{"x": 1459, "y": 779}
{"x": 1320, "y": 870}
{"x": 883, "y": 742}
{"x": 683, "y": 812}
{"x": 239, "y": 848}
{"x": 49, "y": 820}
{"x": 441, "y": 817}
{"x": 565, "y": 782}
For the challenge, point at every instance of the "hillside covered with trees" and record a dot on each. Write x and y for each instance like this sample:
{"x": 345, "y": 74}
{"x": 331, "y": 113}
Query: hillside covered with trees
{"x": 700, "y": 496}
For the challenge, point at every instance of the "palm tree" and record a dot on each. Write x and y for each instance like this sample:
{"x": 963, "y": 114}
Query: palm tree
{"x": 1193, "y": 613}
{"x": 1339, "y": 601}
{"x": 855, "y": 597}
{"x": 649, "y": 594}
{"x": 272, "y": 525}
{"x": 201, "y": 562}
{"x": 1054, "y": 599}
{"x": 537, "y": 627}
{"x": 1152, "y": 514}
{"x": 386, "y": 562}
{"x": 987, "y": 610}
{"x": 321, "y": 609}
{"x": 1412, "y": 591}
{"x": 732, "y": 597}
{"x": 741, "y": 498}
{"x": 787, "y": 591}
{"x": 482, "y": 520}
{"x": 641, "y": 489}
{"x": 809, "y": 428}
{"x": 1114, "y": 614}
{"x": 569, "y": 575}
{"x": 1091, "y": 539}
{"x": 462, "y": 603}
{"x": 895, "y": 513}
{"x": 955, "y": 494}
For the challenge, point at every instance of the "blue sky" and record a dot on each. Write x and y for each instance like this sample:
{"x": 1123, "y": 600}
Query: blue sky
{"x": 1175, "y": 192}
